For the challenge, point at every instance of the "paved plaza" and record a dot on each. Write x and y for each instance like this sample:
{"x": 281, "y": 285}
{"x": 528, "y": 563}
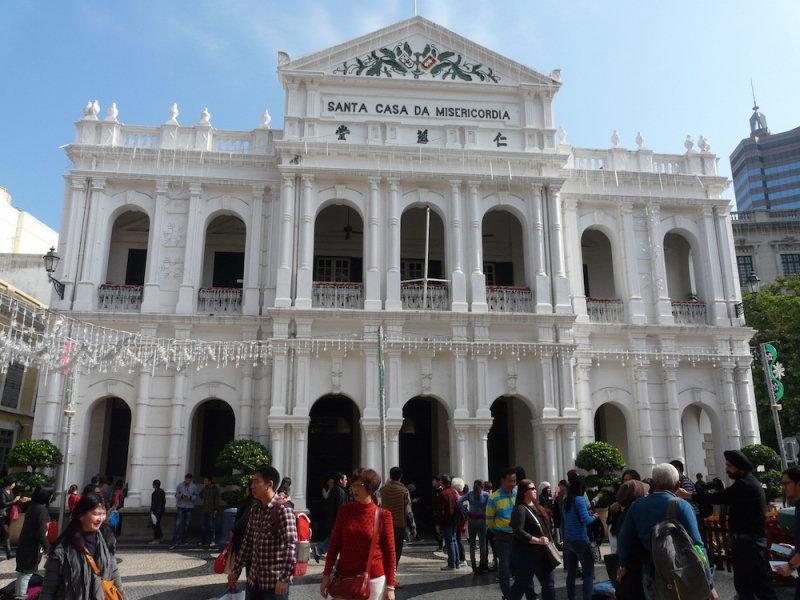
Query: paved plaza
{"x": 188, "y": 574}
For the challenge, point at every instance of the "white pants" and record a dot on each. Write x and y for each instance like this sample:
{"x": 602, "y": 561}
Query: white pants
{"x": 376, "y": 586}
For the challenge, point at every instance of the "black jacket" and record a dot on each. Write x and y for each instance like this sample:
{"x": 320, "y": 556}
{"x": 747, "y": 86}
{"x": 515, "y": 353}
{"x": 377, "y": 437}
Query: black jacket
{"x": 158, "y": 502}
{"x": 32, "y": 539}
{"x": 747, "y": 506}
{"x": 528, "y": 522}
{"x": 240, "y": 523}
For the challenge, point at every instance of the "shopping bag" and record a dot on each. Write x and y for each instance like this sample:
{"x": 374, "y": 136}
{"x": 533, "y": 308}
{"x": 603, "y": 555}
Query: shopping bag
{"x": 230, "y": 562}
{"x": 113, "y": 518}
{"x": 153, "y": 519}
{"x": 222, "y": 560}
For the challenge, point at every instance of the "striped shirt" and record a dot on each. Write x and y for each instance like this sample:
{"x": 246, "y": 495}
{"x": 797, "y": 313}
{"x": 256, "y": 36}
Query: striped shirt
{"x": 499, "y": 509}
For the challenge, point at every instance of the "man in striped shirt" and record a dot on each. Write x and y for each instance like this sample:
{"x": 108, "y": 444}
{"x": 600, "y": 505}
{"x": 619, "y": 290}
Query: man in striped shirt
{"x": 269, "y": 544}
{"x": 498, "y": 519}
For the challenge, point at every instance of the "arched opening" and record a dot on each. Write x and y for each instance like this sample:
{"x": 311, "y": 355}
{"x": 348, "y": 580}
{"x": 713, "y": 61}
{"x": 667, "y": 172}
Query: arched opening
{"x": 610, "y": 426}
{"x": 412, "y": 262}
{"x": 504, "y": 263}
{"x": 338, "y": 258}
{"x": 683, "y": 285}
{"x": 698, "y": 442}
{"x": 599, "y": 286}
{"x": 108, "y": 439}
{"x": 333, "y": 446}
{"x": 127, "y": 262}
{"x": 510, "y": 441}
{"x": 424, "y": 445}
{"x": 222, "y": 275}
{"x": 213, "y": 426}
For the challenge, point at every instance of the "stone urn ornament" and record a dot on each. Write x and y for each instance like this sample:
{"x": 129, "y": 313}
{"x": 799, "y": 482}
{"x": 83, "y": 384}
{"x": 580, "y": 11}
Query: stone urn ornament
{"x": 112, "y": 112}
{"x": 689, "y": 144}
{"x": 173, "y": 114}
{"x": 703, "y": 144}
{"x": 640, "y": 140}
{"x": 615, "y": 138}
{"x": 205, "y": 118}
{"x": 265, "y": 119}
{"x": 562, "y": 135}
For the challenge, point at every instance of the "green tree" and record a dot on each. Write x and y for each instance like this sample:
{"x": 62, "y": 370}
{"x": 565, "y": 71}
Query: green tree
{"x": 764, "y": 456}
{"x": 602, "y": 458}
{"x": 34, "y": 455}
{"x": 775, "y": 313}
{"x": 244, "y": 457}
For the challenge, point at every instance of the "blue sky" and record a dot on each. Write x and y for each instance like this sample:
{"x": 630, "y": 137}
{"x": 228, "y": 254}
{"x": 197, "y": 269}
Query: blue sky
{"x": 666, "y": 69}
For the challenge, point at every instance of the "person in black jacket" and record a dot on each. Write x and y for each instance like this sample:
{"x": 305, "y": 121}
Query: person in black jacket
{"x": 33, "y": 538}
{"x": 747, "y": 517}
{"x": 7, "y": 499}
{"x": 158, "y": 506}
{"x": 336, "y": 497}
{"x": 242, "y": 517}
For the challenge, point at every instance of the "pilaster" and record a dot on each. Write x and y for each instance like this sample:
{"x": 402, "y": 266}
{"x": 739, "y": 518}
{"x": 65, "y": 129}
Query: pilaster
{"x": 251, "y": 303}
{"x": 283, "y": 289}
{"x": 151, "y": 295}
{"x": 393, "y": 301}
{"x": 306, "y": 245}
{"x": 477, "y": 278}
{"x": 187, "y": 296}
{"x": 372, "y": 291}
{"x": 458, "y": 282}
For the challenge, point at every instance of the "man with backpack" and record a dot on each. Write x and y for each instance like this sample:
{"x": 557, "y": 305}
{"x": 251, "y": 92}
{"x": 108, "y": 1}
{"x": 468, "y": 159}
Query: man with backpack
{"x": 667, "y": 530}
{"x": 747, "y": 518}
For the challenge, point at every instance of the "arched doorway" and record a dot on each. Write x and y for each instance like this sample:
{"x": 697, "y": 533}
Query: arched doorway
{"x": 333, "y": 446}
{"x": 510, "y": 441}
{"x": 412, "y": 261}
{"x": 109, "y": 432}
{"x": 610, "y": 426}
{"x": 698, "y": 442}
{"x": 213, "y": 426}
{"x": 222, "y": 275}
{"x": 338, "y": 258}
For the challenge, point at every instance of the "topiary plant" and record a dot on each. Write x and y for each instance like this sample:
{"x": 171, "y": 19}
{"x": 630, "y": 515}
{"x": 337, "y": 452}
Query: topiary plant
{"x": 602, "y": 458}
{"x": 243, "y": 457}
{"x": 33, "y": 455}
{"x": 764, "y": 456}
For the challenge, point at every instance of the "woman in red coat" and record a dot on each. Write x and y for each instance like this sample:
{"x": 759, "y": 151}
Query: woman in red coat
{"x": 355, "y": 522}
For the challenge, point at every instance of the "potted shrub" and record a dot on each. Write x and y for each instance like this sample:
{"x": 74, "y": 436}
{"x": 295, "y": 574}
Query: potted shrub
{"x": 242, "y": 457}
{"x": 601, "y": 460}
{"x": 769, "y": 475}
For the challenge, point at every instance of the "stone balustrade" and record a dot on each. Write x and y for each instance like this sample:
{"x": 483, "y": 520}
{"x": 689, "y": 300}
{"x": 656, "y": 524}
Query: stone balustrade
{"x": 337, "y": 295}
{"x": 414, "y": 297}
{"x": 120, "y": 297}
{"x": 220, "y": 301}
{"x": 689, "y": 313}
{"x": 508, "y": 299}
{"x": 643, "y": 161}
{"x": 605, "y": 310}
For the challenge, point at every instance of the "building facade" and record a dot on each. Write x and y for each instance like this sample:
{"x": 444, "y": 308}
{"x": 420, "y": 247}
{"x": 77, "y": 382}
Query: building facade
{"x": 535, "y": 296}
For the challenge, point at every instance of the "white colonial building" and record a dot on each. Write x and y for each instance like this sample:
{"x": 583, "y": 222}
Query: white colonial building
{"x": 579, "y": 294}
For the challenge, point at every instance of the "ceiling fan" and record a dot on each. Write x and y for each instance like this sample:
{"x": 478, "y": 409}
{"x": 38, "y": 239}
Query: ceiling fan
{"x": 347, "y": 228}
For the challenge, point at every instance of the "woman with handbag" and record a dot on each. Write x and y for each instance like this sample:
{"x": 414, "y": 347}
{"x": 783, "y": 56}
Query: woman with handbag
{"x": 534, "y": 550}
{"x": 366, "y": 568}
{"x": 9, "y": 504}
{"x": 81, "y": 566}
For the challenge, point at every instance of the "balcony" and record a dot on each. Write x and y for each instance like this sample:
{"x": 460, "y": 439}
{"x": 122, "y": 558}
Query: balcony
{"x": 605, "y": 310}
{"x": 329, "y": 294}
{"x": 689, "y": 313}
{"x": 413, "y": 296}
{"x": 120, "y": 297}
{"x": 507, "y": 299}
{"x": 220, "y": 301}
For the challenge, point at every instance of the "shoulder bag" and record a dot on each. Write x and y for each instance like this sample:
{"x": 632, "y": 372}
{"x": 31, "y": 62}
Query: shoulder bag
{"x": 552, "y": 552}
{"x": 110, "y": 591}
{"x": 357, "y": 587}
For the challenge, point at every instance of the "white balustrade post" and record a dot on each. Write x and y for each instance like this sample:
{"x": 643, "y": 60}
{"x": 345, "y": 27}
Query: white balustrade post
{"x": 393, "y": 301}
{"x": 477, "y": 278}
{"x": 151, "y": 294}
{"x": 283, "y": 288}
{"x": 458, "y": 282}
{"x": 187, "y": 295}
{"x": 305, "y": 271}
{"x": 252, "y": 285}
{"x": 372, "y": 292}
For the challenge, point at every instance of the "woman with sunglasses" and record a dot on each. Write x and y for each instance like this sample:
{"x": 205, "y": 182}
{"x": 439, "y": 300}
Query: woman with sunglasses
{"x": 531, "y": 530}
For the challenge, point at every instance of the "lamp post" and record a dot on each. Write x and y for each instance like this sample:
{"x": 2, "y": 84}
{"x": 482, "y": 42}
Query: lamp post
{"x": 753, "y": 285}
{"x": 50, "y": 263}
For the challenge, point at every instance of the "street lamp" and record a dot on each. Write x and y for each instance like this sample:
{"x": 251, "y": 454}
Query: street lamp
{"x": 50, "y": 263}
{"x": 753, "y": 285}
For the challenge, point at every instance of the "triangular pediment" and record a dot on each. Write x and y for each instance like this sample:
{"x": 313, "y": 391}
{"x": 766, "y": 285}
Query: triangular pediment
{"x": 417, "y": 49}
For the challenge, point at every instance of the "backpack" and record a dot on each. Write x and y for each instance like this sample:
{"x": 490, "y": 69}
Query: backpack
{"x": 302, "y": 550}
{"x": 678, "y": 570}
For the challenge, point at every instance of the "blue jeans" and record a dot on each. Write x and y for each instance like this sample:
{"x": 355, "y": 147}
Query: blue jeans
{"x": 450, "y": 546}
{"x": 476, "y": 529}
{"x": 578, "y": 551}
{"x": 504, "y": 542}
{"x": 323, "y": 547}
{"x": 527, "y": 565}
{"x": 209, "y": 526}
{"x": 182, "y": 519}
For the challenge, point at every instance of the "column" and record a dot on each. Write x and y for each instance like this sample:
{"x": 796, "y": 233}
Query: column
{"x": 276, "y": 431}
{"x": 646, "y": 458}
{"x": 187, "y": 296}
{"x": 252, "y": 280}
{"x": 70, "y": 245}
{"x": 728, "y": 401}
{"x": 246, "y": 400}
{"x": 727, "y": 254}
{"x": 458, "y": 282}
{"x": 393, "y": 249}
{"x": 305, "y": 271}
{"x": 658, "y": 267}
{"x": 460, "y": 385}
{"x": 630, "y": 278}
{"x": 393, "y": 445}
{"x": 85, "y": 295}
{"x": 477, "y": 278}
{"x": 568, "y": 408}
{"x": 541, "y": 283}
{"x": 483, "y": 452}
{"x": 136, "y": 486}
{"x": 176, "y": 438}
{"x": 371, "y": 382}
{"x": 265, "y": 403}
{"x": 372, "y": 291}
{"x": 55, "y": 393}
{"x": 573, "y": 258}
{"x": 151, "y": 301}
{"x": 549, "y": 434}
{"x": 584, "y": 400}
{"x": 302, "y": 378}
{"x": 745, "y": 400}
{"x": 560, "y": 282}
{"x": 283, "y": 288}
{"x": 459, "y": 465}
{"x": 298, "y": 473}
{"x": 675, "y": 430}
{"x": 280, "y": 379}
{"x": 715, "y": 297}
{"x": 372, "y": 455}
{"x": 482, "y": 384}
{"x": 548, "y": 385}
{"x": 570, "y": 452}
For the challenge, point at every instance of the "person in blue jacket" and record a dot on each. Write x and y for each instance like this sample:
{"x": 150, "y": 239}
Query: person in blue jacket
{"x": 576, "y": 518}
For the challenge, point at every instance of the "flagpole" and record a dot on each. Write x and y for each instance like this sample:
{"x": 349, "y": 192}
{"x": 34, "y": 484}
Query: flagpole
{"x": 427, "y": 252}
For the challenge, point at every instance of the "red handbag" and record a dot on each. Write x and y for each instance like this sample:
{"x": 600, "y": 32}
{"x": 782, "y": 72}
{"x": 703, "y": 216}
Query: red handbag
{"x": 222, "y": 559}
{"x": 357, "y": 587}
{"x": 13, "y": 513}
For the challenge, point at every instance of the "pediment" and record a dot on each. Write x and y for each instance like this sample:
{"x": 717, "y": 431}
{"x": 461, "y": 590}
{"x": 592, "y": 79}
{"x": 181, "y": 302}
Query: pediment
{"x": 417, "y": 49}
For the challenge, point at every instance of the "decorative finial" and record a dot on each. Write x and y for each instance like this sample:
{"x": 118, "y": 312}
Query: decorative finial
{"x": 562, "y": 135}
{"x": 95, "y": 108}
{"x": 112, "y": 112}
{"x": 173, "y": 114}
{"x": 205, "y": 118}
{"x": 90, "y": 111}
{"x": 555, "y": 74}
{"x": 640, "y": 140}
{"x": 265, "y": 119}
{"x": 689, "y": 144}
{"x": 615, "y": 138}
{"x": 87, "y": 110}
{"x": 703, "y": 144}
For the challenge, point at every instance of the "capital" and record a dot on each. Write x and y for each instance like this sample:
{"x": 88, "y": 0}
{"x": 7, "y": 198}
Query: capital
{"x": 195, "y": 189}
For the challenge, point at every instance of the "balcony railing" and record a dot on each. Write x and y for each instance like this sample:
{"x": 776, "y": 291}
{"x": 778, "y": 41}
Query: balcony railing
{"x": 605, "y": 310}
{"x": 508, "y": 299}
{"x": 120, "y": 297}
{"x": 327, "y": 294}
{"x": 220, "y": 301}
{"x": 689, "y": 313}
{"x": 411, "y": 295}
